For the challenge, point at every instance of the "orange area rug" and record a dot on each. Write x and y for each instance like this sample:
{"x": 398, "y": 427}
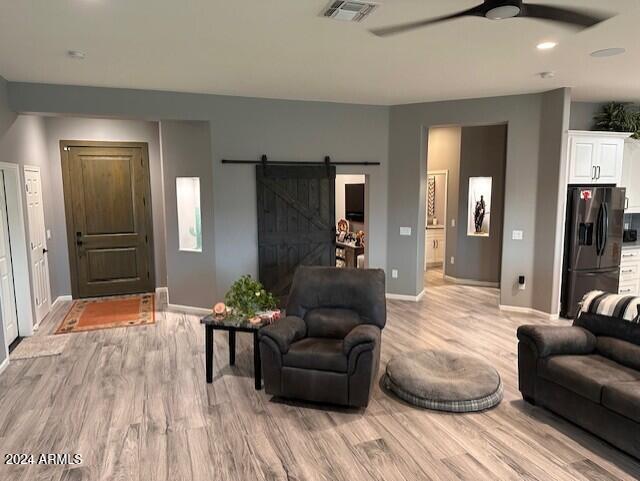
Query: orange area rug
{"x": 109, "y": 312}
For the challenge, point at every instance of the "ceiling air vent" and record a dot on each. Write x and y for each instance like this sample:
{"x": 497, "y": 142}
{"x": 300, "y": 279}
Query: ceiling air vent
{"x": 349, "y": 11}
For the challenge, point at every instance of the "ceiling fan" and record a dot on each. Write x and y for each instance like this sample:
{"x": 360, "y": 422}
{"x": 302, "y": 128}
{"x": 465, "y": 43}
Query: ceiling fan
{"x": 503, "y": 9}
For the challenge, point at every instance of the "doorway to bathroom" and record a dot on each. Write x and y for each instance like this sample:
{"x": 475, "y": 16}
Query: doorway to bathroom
{"x": 435, "y": 245}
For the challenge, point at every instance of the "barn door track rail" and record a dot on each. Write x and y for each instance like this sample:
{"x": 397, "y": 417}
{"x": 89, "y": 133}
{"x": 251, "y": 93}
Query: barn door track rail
{"x": 264, "y": 161}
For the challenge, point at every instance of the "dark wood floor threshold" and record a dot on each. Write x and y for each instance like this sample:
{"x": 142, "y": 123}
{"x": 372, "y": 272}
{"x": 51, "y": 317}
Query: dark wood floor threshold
{"x": 15, "y": 343}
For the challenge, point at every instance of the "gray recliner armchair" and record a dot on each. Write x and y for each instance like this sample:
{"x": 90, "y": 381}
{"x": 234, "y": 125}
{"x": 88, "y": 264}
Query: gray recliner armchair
{"x": 327, "y": 348}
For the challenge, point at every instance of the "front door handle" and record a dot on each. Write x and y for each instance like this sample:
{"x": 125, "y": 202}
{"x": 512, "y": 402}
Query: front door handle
{"x": 44, "y": 251}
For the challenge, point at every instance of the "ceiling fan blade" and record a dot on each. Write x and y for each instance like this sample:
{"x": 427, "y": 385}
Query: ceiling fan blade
{"x": 404, "y": 27}
{"x": 578, "y": 18}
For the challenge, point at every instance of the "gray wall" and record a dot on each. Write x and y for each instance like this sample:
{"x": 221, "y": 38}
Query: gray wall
{"x": 407, "y": 149}
{"x": 582, "y": 115}
{"x": 244, "y": 128}
{"x": 482, "y": 154}
{"x": 6, "y": 115}
{"x": 291, "y": 130}
{"x": 550, "y": 207}
{"x": 69, "y": 128}
{"x": 186, "y": 152}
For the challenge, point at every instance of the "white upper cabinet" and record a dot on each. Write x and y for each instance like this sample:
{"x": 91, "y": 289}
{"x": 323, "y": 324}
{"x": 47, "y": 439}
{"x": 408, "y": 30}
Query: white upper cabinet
{"x": 582, "y": 159}
{"x": 631, "y": 175}
{"x": 595, "y": 157}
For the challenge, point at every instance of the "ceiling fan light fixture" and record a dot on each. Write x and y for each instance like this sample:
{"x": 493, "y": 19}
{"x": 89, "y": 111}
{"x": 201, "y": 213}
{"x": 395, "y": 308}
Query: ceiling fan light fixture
{"x": 502, "y": 12}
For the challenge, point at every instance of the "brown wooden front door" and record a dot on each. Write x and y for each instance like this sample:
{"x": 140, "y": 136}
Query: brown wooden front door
{"x": 296, "y": 222}
{"x": 109, "y": 224}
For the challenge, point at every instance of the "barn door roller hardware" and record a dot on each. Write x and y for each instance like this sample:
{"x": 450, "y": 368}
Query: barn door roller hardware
{"x": 264, "y": 161}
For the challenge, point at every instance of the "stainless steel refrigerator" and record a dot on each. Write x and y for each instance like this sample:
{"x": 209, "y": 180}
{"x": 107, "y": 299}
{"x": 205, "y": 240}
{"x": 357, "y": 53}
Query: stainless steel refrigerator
{"x": 593, "y": 243}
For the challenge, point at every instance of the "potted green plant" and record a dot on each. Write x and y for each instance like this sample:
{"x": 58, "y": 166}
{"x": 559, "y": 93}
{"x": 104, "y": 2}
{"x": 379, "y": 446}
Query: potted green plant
{"x": 247, "y": 297}
{"x": 618, "y": 117}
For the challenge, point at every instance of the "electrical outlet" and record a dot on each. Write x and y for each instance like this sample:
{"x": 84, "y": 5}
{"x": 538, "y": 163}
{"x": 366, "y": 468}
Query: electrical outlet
{"x": 453, "y": 260}
{"x": 394, "y": 273}
{"x": 522, "y": 284}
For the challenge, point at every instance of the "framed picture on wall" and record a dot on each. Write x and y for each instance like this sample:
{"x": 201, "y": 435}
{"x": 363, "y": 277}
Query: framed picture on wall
{"x": 479, "y": 210}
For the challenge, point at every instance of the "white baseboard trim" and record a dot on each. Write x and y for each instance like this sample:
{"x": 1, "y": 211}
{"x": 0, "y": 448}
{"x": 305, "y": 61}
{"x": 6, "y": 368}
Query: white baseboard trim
{"x": 65, "y": 298}
{"x": 4, "y": 365}
{"x": 529, "y": 310}
{"x": 471, "y": 282}
{"x": 404, "y": 297}
{"x": 162, "y": 292}
{"x": 196, "y": 311}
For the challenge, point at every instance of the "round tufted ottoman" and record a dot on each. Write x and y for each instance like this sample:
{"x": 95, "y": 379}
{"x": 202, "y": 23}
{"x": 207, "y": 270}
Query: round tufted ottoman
{"x": 444, "y": 381}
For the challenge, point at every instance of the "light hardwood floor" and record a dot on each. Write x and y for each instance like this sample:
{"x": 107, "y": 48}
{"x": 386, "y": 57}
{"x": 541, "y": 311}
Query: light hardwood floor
{"x": 134, "y": 403}
{"x": 434, "y": 277}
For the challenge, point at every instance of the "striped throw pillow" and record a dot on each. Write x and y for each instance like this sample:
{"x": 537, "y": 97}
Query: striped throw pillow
{"x": 612, "y": 305}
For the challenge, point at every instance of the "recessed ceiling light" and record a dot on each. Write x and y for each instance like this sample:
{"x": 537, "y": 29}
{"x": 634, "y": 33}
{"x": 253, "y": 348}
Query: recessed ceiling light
{"x": 547, "y": 45}
{"x": 76, "y": 54}
{"x": 608, "y": 52}
{"x": 546, "y": 75}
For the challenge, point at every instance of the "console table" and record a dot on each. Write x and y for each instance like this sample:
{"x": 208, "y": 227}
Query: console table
{"x": 351, "y": 253}
{"x": 232, "y": 325}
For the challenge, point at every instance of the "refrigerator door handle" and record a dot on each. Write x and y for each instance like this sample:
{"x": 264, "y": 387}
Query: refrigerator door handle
{"x": 599, "y": 232}
{"x": 605, "y": 226}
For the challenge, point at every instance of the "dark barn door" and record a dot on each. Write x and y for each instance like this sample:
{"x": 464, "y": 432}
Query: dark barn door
{"x": 296, "y": 222}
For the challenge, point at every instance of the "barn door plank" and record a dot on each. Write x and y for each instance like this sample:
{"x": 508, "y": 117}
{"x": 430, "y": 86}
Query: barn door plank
{"x": 296, "y": 212}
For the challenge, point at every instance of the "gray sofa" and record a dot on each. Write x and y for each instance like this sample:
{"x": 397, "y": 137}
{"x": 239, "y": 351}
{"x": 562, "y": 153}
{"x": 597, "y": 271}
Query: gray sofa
{"x": 588, "y": 373}
{"x": 327, "y": 348}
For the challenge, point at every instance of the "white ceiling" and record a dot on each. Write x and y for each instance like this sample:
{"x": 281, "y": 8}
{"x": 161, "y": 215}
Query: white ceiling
{"x": 284, "y": 49}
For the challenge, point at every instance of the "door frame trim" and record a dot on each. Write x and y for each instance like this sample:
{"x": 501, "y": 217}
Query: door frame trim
{"x": 36, "y": 168}
{"x": 68, "y": 207}
{"x": 19, "y": 253}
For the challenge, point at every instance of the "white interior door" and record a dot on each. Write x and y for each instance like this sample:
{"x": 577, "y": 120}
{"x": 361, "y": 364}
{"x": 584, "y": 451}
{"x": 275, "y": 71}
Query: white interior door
{"x": 37, "y": 243}
{"x": 7, "y": 289}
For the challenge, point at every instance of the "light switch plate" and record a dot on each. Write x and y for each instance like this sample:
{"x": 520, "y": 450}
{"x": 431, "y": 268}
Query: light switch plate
{"x": 394, "y": 273}
{"x": 48, "y": 234}
{"x": 405, "y": 230}
{"x": 453, "y": 222}
{"x": 453, "y": 260}
{"x": 517, "y": 235}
